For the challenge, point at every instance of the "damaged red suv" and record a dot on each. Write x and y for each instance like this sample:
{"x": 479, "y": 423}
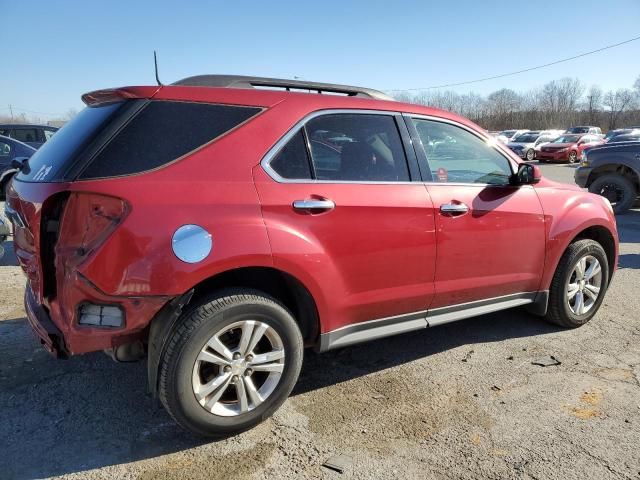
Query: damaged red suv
{"x": 220, "y": 225}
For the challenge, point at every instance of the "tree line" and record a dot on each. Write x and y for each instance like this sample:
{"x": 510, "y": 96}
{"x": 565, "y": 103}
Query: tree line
{"x": 557, "y": 104}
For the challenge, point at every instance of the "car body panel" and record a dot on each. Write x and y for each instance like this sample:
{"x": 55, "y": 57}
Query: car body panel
{"x": 609, "y": 158}
{"x": 498, "y": 218}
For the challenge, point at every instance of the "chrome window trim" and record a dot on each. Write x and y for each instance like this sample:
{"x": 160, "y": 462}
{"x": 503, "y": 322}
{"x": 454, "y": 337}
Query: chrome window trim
{"x": 512, "y": 164}
{"x": 275, "y": 149}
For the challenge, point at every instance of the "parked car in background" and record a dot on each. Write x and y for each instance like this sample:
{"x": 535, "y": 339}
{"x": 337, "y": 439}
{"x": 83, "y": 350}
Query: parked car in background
{"x": 4, "y": 234}
{"x": 11, "y": 149}
{"x": 269, "y": 243}
{"x": 32, "y": 135}
{"x": 584, "y": 129}
{"x": 567, "y": 147}
{"x": 613, "y": 171}
{"x": 617, "y": 131}
{"x": 506, "y": 136}
{"x": 626, "y": 136}
{"x": 525, "y": 145}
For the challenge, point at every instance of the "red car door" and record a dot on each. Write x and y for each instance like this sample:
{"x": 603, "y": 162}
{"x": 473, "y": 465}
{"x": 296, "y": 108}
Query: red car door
{"x": 491, "y": 236}
{"x": 344, "y": 217}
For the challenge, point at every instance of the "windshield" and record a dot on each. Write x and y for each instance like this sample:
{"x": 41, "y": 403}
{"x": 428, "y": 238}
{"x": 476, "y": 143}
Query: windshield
{"x": 58, "y": 152}
{"x": 625, "y": 138}
{"x": 508, "y": 133}
{"x": 527, "y": 138}
{"x": 567, "y": 139}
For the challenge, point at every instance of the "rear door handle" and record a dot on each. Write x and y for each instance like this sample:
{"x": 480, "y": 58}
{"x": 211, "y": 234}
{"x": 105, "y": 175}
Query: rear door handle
{"x": 314, "y": 204}
{"x": 454, "y": 208}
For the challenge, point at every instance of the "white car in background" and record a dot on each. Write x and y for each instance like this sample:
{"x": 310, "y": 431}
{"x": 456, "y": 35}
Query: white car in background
{"x": 506, "y": 136}
{"x": 525, "y": 145}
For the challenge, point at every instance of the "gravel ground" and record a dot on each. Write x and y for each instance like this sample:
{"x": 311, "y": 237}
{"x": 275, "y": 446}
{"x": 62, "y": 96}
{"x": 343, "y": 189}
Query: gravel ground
{"x": 462, "y": 400}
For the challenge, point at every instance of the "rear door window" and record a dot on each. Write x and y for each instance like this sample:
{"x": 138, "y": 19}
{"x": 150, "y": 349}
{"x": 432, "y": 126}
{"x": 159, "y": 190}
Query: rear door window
{"x": 163, "y": 132}
{"x": 357, "y": 147}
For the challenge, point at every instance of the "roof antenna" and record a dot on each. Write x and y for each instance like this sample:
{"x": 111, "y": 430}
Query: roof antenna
{"x": 155, "y": 61}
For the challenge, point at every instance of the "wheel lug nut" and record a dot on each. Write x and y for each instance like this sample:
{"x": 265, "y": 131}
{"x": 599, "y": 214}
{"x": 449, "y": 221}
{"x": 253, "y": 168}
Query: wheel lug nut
{"x": 249, "y": 358}
{"x": 236, "y": 355}
{"x": 227, "y": 368}
{"x": 248, "y": 372}
{"x": 235, "y": 378}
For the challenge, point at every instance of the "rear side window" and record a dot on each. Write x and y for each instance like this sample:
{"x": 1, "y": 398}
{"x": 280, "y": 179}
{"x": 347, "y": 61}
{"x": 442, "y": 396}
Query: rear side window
{"x": 50, "y": 161}
{"x": 161, "y": 133}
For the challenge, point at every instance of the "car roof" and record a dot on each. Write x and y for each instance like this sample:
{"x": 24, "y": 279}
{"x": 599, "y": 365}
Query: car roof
{"x": 236, "y": 92}
{"x": 16, "y": 142}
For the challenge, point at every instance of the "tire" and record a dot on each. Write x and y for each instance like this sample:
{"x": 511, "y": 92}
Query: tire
{"x": 3, "y": 187}
{"x": 560, "y": 310}
{"x": 530, "y": 155}
{"x": 618, "y": 189}
{"x": 182, "y": 371}
{"x": 573, "y": 157}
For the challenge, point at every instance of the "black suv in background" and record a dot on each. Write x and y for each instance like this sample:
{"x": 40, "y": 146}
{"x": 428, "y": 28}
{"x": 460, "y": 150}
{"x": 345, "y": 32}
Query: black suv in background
{"x": 613, "y": 171}
{"x": 33, "y": 135}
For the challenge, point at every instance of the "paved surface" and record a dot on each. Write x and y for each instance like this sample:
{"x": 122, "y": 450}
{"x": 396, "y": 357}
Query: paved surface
{"x": 458, "y": 401}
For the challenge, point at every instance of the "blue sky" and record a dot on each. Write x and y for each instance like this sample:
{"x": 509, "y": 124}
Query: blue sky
{"x": 55, "y": 51}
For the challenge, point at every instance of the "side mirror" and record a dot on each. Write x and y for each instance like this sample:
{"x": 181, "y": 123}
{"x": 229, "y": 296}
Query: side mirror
{"x": 19, "y": 162}
{"x": 527, "y": 174}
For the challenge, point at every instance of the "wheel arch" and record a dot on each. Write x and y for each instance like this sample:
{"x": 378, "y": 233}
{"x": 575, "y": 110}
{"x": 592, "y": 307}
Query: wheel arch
{"x": 282, "y": 286}
{"x": 604, "y": 237}
{"x": 616, "y": 168}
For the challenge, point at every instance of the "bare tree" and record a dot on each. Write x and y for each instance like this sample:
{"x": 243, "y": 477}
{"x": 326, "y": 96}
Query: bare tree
{"x": 593, "y": 104}
{"x": 618, "y": 102}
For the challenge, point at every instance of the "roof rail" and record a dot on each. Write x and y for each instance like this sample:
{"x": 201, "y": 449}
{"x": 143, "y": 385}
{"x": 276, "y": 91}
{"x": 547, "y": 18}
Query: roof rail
{"x": 240, "y": 81}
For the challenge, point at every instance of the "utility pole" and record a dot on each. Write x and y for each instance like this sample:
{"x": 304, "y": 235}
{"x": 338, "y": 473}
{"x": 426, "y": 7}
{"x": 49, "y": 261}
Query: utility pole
{"x": 11, "y": 111}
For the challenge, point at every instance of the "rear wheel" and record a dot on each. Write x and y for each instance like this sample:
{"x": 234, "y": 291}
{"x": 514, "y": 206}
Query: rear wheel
{"x": 232, "y": 362}
{"x": 579, "y": 284}
{"x": 573, "y": 156}
{"x": 619, "y": 190}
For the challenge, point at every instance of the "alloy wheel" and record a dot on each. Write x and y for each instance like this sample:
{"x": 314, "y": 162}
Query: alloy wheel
{"x": 238, "y": 368}
{"x": 584, "y": 285}
{"x": 573, "y": 156}
{"x": 531, "y": 154}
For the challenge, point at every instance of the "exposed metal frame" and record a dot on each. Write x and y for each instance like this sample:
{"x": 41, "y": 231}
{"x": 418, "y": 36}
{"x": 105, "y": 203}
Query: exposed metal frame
{"x": 243, "y": 81}
{"x": 388, "y": 326}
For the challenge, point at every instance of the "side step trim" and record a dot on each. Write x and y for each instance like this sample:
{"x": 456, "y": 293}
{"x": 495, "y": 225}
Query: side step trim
{"x": 385, "y": 327}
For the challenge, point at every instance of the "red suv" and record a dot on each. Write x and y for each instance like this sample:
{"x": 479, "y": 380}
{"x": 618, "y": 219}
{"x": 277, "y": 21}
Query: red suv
{"x": 218, "y": 227}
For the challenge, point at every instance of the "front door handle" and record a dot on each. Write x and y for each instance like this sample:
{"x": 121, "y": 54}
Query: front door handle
{"x": 314, "y": 204}
{"x": 454, "y": 208}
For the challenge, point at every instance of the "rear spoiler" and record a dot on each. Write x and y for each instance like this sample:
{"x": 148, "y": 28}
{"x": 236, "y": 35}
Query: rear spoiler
{"x": 112, "y": 95}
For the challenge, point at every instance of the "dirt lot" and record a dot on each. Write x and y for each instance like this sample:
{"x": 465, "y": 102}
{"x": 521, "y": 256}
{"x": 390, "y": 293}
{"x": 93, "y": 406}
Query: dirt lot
{"x": 463, "y": 400}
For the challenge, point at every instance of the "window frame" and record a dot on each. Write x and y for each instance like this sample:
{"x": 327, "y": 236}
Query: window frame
{"x": 407, "y": 146}
{"x": 423, "y": 159}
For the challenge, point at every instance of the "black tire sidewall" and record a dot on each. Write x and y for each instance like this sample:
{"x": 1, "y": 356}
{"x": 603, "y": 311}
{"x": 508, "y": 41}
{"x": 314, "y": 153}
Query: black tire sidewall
{"x": 184, "y": 403}
{"x": 625, "y": 185}
{"x": 594, "y": 249}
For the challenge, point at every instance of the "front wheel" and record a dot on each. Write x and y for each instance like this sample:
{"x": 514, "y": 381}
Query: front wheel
{"x": 531, "y": 155}
{"x": 619, "y": 190}
{"x": 573, "y": 156}
{"x": 579, "y": 284}
{"x": 231, "y": 363}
